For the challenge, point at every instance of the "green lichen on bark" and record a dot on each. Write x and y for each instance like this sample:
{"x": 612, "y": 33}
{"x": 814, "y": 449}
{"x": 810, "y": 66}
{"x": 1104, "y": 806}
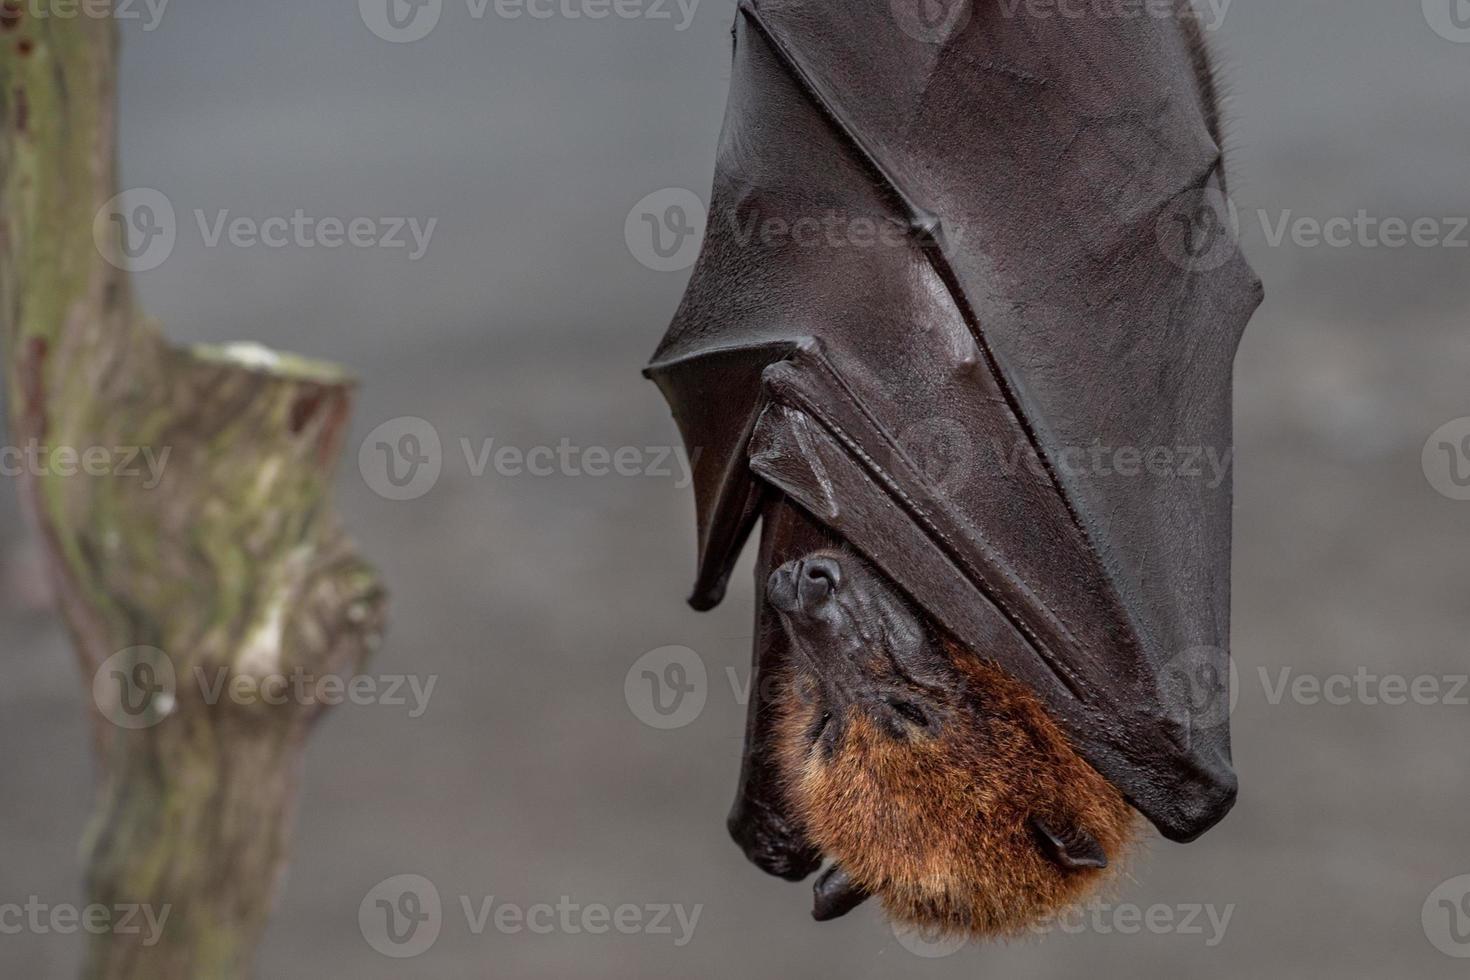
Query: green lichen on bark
{"x": 226, "y": 555}
{"x": 55, "y": 90}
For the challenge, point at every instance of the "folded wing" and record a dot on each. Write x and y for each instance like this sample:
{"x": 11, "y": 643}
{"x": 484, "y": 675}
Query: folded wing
{"x": 961, "y": 301}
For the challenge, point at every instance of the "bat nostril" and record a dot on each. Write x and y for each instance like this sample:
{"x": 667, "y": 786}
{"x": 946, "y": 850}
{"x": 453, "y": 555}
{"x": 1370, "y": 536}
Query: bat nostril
{"x": 781, "y": 589}
{"x": 823, "y": 571}
{"x": 817, "y": 580}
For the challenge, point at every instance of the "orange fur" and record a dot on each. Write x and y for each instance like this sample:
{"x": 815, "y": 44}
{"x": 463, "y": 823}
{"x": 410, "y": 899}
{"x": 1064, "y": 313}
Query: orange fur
{"x": 937, "y": 826}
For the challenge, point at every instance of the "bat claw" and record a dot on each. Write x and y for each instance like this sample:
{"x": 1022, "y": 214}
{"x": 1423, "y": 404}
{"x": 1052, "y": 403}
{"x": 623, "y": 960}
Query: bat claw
{"x": 1077, "y": 850}
{"x": 834, "y": 895}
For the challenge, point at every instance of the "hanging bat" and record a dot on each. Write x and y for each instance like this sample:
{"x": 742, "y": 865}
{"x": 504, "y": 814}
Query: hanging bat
{"x": 931, "y": 778}
{"x": 966, "y": 309}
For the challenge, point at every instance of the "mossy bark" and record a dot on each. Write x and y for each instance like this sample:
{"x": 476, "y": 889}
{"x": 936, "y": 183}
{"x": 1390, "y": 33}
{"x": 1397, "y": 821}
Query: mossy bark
{"x": 226, "y": 557}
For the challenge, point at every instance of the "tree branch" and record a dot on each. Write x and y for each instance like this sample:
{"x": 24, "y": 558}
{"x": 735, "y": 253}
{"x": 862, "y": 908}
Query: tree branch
{"x": 222, "y": 559}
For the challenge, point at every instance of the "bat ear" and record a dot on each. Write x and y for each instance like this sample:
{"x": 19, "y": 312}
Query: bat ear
{"x": 1072, "y": 849}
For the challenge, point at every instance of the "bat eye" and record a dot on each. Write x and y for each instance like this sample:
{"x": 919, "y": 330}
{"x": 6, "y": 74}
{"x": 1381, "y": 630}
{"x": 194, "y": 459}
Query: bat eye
{"x": 911, "y": 713}
{"x": 820, "y": 726}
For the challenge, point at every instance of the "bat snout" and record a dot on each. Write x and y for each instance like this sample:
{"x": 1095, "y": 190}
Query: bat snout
{"x": 803, "y": 585}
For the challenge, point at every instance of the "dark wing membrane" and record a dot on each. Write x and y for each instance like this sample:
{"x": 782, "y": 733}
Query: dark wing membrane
{"x": 995, "y": 394}
{"x": 715, "y": 396}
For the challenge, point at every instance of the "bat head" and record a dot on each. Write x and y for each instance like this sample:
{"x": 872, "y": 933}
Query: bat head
{"x": 931, "y": 778}
{"x": 862, "y": 644}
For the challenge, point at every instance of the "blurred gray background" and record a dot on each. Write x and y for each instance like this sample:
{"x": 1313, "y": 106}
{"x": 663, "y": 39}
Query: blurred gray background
{"x": 529, "y": 777}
